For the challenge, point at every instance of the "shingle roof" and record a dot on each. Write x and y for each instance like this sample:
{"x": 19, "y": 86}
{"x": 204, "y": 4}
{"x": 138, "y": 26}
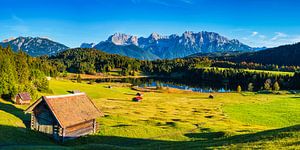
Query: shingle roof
{"x": 25, "y": 96}
{"x": 71, "y": 109}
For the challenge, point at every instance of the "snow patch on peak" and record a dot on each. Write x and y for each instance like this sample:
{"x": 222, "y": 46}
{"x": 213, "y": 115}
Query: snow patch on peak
{"x": 8, "y": 40}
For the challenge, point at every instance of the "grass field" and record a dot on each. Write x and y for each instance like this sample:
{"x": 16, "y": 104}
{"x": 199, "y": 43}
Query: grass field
{"x": 258, "y": 71}
{"x": 168, "y": 120}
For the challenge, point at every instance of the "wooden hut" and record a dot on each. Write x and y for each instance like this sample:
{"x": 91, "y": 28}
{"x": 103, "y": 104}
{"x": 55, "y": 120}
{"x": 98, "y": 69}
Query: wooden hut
{"x": 64, "y": 117}
{"x": 75, "y": 91}
{"x": 23, "y": 98}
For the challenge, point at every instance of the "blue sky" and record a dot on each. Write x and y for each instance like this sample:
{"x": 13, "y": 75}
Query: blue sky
{"x": 71, "y": 22}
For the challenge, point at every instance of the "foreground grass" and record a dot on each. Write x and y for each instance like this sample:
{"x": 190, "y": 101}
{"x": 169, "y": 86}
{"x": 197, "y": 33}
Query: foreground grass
{"x": 176, "y": 120}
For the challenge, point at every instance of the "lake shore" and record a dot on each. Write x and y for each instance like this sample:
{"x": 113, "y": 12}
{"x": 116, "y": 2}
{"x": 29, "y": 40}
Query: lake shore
{"x": 102, "y": 76}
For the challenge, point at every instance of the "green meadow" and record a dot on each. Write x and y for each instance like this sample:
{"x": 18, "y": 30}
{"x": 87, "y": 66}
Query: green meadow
{"x": 169, "y": 119}
{"x": 257, "y": 71}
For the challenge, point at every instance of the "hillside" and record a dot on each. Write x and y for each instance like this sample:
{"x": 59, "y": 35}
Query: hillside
{"x": 283, "y": 55}
{"x": 92, "y": 61}
{"x": 126, "y": 50}
{"x": 216, "y": 54}
{"x": 34, "y": 46}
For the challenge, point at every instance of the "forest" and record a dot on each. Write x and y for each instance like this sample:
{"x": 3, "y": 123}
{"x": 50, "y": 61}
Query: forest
{"x": 286, "y": 55}
{"x": 20, "y": 72}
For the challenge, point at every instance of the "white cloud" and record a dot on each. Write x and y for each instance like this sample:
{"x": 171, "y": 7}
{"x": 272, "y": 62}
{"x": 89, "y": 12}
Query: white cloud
{"x": 257, "y": 39}
{"x": 245, "y": 38}
{"x": 254, "y": 33}
{"x": 296, "y": 39}
{"x": 262, "y": 36}
{"x": 187, "y": 1}
{"x": 278, "y": 36}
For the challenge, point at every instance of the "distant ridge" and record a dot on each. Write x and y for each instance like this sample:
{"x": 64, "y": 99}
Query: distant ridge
{"x": 283, "y": 55}
{"x": 157, "y": 46}
{"x": 34, "y": 46}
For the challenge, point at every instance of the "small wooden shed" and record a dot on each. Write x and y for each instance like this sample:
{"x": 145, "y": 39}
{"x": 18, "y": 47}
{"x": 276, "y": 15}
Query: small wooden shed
{"x": 23, "y": 98}
{"x": 65, "y": 116}
{"x": 75, "y": 91}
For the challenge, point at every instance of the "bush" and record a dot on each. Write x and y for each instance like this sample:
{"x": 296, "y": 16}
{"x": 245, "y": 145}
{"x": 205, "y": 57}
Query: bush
{"x": 239, "y": 89}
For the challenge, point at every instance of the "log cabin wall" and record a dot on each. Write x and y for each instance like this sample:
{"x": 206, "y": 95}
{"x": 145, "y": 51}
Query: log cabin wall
{"x": 64, "y": 116}
{"x": 80, "y": 129}
{"x": 17, "y": 100}
{"x": 43, "y": 120}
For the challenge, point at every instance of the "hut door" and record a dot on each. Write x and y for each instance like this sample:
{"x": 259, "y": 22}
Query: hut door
{"x": 45, "y": 123}
{"x": 46, "y": 127}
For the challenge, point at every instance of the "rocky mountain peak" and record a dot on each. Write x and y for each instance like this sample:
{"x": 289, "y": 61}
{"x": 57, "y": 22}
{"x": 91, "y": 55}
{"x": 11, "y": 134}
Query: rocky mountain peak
{"x": 123, "y": 39}
{"x": 34, "y": 46}
{"x": 175, "y": 46}
{"x": 154, "y": 36}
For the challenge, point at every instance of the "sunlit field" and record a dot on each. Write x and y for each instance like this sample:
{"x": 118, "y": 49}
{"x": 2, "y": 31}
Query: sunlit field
{"x": 167, "y": 119}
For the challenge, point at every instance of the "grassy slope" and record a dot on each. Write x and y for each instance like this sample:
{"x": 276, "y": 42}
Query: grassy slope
{"x": 258, "y": 71}
{"x": 169, "y": 120}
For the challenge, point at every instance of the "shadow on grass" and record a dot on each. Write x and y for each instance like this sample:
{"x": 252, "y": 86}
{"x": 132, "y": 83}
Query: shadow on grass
{"x": 209, "y": 140}
{"x": 206, "y": 136}
{"x": 122, "y": 125}
{"x": 21, "y": 137}
{"x": 27, "y": 138}
{"x": 116, "y": 99}
{"x": 11, "y": 109}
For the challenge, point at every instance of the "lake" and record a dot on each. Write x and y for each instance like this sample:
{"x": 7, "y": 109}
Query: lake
{"x": 204, "y": 86}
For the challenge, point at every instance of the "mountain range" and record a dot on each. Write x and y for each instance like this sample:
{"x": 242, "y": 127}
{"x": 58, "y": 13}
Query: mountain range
{"x": 34, "y": 46}
{"x": 155, "y": 46}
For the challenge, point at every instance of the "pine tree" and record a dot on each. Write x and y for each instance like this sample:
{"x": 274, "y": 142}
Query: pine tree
{"x": 23, "y": 71}
{"x": 276, "y": 86}
{"x": 250, "y": 87}
{"x": 78, "y": 78}
{"x": 239, "y": 89}
{"x": 7, "y": 72}
{"x": 267, "y": 84}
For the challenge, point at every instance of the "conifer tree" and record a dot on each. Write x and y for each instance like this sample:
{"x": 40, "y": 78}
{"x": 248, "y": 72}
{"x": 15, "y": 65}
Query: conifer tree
{"x": 239, "y": 89}
{"x": 267, "y": 84}
{"x": 78, "y": 78}
{"x": 276, "y": 86}
{"x": 250, "y": 87}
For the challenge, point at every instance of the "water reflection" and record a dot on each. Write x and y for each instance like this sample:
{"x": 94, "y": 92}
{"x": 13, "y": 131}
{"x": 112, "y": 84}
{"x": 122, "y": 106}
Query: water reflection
{"x": 183, "y": 84}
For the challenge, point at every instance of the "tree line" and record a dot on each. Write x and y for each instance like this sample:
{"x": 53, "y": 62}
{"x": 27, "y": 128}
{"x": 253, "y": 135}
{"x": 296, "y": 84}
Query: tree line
{"x": 256, "y": 66}
{"x": 195, "y": 70}
{"x": 91, "y": 61}
{"x": 22, "y": 73}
